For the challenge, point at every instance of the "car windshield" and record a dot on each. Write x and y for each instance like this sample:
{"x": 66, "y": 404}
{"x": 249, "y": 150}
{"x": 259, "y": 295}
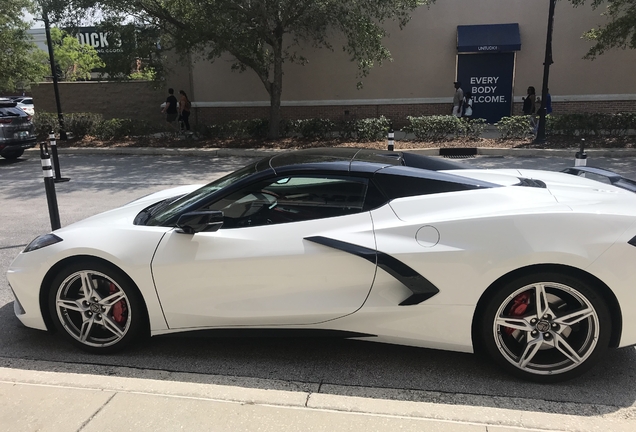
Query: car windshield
{"x": 174, "y": 208}
{"x": 11, "y": 112}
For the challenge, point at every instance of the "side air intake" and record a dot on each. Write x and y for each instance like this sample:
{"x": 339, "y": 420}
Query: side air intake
{"x": 530, "y": 183}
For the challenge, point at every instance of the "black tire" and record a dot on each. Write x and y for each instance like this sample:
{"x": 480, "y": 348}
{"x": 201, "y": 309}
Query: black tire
{"x": 14, "y": 154}
{"x": 104, "y": 321}
{"x": 550, "y": 343}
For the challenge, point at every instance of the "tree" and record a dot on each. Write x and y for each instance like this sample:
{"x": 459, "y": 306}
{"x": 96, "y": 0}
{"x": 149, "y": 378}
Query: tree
{"x": 74, "y": 60}
{"x": 261, "y": 35}
{"x": 20, "y": 60}
{"x": 619, "y": 32}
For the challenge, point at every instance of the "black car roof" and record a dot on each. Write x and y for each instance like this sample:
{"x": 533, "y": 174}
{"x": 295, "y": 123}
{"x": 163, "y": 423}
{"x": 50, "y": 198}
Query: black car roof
{"x": 353, "y": 159}
{"x": 366, "y": 162}
{"x": 7, "y": 103}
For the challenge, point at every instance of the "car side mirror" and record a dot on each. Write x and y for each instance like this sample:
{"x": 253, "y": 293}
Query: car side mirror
{"x": 199, "y": 221}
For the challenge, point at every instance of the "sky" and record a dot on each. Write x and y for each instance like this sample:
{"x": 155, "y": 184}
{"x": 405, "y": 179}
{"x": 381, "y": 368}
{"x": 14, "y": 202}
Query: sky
{"x": 34, "y": 23}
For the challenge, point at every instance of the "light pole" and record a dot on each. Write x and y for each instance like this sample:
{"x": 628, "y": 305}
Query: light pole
{"x": 540, "y": 138}
{"x": 49, "y": 43}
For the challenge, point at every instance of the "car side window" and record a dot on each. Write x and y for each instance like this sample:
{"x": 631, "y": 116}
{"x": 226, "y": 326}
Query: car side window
{"x": 291, "y": 199}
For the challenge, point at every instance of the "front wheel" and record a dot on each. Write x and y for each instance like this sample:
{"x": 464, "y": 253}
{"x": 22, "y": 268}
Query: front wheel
{"x": 546, "y": 327}
{"x": 96, "y": 306}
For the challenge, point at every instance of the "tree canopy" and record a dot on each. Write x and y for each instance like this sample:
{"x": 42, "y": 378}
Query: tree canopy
{"x": 20, "y": 61}
{"x": 260, "y": 35}
{"x": 74, "y": 60}
{"x": 618, "y": 32}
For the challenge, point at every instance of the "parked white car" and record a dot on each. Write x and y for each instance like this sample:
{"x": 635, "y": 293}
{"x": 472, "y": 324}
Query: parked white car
{"x": 26, "y": 104}
{"x": 532, "y": 268}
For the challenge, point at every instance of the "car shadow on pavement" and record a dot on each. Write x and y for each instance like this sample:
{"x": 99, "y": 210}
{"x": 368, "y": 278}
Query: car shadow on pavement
{"x": 4, "y": 162}
{"x": 332, "y": 366}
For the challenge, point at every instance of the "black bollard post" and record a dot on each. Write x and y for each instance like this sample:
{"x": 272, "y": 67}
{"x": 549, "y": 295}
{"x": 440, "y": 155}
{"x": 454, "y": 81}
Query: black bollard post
{"x": 391, "y": 145}
{"x": 56, "y": 160}
{"x": 580, "y": 158}
{"x": 49, "y": 186}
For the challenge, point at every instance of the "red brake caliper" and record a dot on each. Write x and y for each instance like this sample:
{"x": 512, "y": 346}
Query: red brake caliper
{"x": 519, "y": 306}
{"x": 118, "y": 310}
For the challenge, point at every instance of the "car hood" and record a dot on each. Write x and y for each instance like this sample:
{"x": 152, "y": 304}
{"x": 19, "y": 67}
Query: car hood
{"x": 126, "y": 214}
{"x": 164, "y": 194}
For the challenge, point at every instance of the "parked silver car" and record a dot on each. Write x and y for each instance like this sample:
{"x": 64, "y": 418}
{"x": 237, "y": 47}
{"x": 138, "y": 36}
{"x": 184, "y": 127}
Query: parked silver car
{"x": 17, "y": 132}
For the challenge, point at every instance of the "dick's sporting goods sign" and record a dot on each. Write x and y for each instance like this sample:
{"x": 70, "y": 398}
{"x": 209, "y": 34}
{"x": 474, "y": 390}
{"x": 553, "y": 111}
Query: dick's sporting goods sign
{"x": 102, "y": 41}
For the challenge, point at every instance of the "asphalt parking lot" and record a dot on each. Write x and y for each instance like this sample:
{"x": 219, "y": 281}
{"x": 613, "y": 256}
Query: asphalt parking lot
{"x": 102, "y": 182}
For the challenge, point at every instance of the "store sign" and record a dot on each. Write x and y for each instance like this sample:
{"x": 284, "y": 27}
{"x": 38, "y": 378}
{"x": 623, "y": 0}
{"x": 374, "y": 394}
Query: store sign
{"x": 489, "y": 78}
{"x": 488, "y": 48}
{"x": 484, "y": 90}
{"x": 101, "y": 41}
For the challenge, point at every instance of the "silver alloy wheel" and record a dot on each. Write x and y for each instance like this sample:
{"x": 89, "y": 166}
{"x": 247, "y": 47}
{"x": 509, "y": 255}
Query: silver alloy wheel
{"x": 556, "y": 332}
{"x": 93, "y": 308}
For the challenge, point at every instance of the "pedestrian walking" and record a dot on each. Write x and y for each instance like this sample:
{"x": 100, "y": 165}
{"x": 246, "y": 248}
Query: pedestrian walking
{"x": 458, "y": 98}
{"x": 529, "y": 107}
{"x": 548, "y": 103}
{"x": 184, "y": 109}
{"x": 170, "y": 108}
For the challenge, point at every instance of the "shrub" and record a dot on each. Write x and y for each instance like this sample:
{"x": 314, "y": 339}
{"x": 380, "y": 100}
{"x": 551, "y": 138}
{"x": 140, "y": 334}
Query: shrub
{"x": 115, "y": 129}
{"x": 253, "y": 128}
{"x": 591, "y": 124}
{"x": 286, "y": 128}
{"x": 618, "y": 125}
{"x": 44, "y": 123}
{"x": 81, "y": 124}
{"x": 433, "y": 128}
{"x": 471, "y": 129}
{"x": 207, "y": 131}
{"x": 347, "y": 129}
{"x": 586, "y": 124}
{"x": 372, "y": 129}
{"x": 514, "y": 127}
{"x": 314, "y": 128}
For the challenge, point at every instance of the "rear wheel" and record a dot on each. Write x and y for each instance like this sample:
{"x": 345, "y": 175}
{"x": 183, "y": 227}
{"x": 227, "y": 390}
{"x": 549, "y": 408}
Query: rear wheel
{"x": 546, "y": 327}
{"x": 14, "y": 154}
{"x": 96, "y": 306}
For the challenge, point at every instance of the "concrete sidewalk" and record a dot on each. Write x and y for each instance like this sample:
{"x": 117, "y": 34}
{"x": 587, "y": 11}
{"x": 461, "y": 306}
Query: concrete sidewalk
{"x": 55, "y": 401}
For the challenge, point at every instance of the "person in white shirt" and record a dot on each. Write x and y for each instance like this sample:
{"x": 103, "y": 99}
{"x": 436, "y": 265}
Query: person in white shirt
{"x": 457, "y": 99}
{"x": 467, "y": 106}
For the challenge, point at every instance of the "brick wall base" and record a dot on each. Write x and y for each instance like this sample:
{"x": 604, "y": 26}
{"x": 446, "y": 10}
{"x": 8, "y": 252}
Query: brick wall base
{"x": 129, "y": 99}
{"x": 586, "y": 107}
{"x": 397, "y": 113}
{"x": 140, "y": 100}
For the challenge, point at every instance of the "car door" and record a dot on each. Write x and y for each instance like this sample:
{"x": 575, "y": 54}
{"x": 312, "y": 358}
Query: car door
{"x": 268, "y": 264}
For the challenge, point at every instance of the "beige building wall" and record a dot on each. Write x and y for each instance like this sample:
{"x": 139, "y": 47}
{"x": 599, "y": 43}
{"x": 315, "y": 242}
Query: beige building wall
{"x": 424, "y": 62}
{"x": 418, "y": 81}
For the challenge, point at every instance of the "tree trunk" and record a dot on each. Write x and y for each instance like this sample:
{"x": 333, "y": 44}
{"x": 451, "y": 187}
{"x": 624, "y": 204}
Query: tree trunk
{"x": 274, "y": 113}
{"x": 276, "y": 88}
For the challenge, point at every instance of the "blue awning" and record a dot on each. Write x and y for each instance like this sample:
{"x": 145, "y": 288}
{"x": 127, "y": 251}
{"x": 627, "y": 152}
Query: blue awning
{"x": 488, "y": 38}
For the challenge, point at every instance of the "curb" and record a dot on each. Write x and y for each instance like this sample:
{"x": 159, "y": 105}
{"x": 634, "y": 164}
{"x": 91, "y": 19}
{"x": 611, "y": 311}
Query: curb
{"x": 325, "y": 402}
{"x": 227, "y": 152}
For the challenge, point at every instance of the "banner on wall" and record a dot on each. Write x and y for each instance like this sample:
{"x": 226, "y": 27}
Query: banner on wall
{"x": 489, "y": 77}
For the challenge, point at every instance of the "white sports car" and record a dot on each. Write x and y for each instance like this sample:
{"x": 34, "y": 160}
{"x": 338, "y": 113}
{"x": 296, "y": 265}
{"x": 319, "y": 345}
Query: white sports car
{"x": 533, "y": 268}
